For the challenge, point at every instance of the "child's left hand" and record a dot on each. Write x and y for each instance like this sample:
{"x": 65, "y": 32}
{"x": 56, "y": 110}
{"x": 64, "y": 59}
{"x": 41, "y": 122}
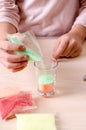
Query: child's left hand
{"x": 68, "y": 45}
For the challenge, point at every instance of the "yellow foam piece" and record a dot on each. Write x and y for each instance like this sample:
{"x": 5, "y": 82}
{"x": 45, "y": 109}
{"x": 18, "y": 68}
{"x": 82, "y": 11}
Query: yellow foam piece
{"x": 36, "y": 122}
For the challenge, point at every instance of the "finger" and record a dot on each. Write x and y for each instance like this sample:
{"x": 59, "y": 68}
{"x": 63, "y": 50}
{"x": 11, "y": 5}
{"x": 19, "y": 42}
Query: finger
{"x": 56, "y": 45}
{"x": 61, "y": 48}
{"x": 72, "y": 48}
{"x": 76, "y": 48}
{"x": 13, "y": 66}
{"x": 75, "y": 53}
{"x": 13, "y": 58}
{"x": 6, "y": 45}
{"x": 17, "y": 69}
{"x": 69, "y": 48}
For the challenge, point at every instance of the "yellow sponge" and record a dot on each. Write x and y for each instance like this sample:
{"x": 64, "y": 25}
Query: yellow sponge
{"x": 36, "y": 122}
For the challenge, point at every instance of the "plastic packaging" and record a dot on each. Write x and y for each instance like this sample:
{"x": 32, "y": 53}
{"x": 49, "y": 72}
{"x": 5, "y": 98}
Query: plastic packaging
{"x": 33, "y": 50}
{"x": 20, "y": 103}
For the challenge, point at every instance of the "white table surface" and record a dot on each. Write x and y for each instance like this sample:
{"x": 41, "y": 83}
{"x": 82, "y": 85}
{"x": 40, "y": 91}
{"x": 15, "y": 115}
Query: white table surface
{"x": 69, "y": 104}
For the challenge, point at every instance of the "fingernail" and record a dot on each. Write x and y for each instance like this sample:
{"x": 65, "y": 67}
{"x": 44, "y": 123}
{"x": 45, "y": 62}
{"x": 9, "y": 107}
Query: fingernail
{"x": 25, "y": 57}
{"x": 22, "y": 47}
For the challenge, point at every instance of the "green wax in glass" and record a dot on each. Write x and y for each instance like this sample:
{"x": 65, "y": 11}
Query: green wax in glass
{"x": 46, "y": 78}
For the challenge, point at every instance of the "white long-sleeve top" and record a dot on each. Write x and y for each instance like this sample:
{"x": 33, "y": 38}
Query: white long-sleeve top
{"x": 43, "y": 17}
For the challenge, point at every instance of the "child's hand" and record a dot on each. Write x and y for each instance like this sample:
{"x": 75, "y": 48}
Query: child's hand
{"x": 68, "y": 45}
{"x": 8, "y": 57}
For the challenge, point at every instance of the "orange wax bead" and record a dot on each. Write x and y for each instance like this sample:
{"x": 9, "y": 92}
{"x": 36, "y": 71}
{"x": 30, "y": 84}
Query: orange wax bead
{"x": 46, "y": 87}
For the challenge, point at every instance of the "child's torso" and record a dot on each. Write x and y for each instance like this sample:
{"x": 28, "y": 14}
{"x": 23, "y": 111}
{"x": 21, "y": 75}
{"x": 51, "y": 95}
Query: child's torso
{"x": 47, "y": 17}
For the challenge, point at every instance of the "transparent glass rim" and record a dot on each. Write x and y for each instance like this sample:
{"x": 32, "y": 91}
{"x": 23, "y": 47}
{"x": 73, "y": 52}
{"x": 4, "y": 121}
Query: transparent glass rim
{"x": 40, "y": 67}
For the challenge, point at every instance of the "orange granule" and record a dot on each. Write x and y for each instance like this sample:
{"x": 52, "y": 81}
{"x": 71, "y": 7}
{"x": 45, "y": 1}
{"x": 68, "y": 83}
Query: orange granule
{"x": 46, "y": 87}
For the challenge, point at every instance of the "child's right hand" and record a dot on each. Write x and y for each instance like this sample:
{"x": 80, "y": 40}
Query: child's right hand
{"x": 9, "y": 58}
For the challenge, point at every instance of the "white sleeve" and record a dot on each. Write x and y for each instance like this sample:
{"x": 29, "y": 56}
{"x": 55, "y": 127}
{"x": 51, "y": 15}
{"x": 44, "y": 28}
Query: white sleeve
{"x": 81, "y": 19}
{"x": 9, "y": 12}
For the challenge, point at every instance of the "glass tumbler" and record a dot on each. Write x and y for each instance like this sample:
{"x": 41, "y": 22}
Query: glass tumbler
{"x": 46, "y": 76}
